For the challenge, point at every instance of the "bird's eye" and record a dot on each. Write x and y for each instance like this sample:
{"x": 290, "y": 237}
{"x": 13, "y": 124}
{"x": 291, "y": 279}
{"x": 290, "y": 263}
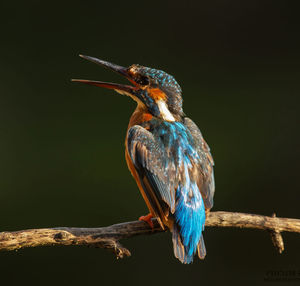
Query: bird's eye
{"x": 142, "y": 80}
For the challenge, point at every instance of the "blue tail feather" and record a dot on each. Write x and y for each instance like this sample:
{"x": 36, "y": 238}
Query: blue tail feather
{"x": 189, "y": 223}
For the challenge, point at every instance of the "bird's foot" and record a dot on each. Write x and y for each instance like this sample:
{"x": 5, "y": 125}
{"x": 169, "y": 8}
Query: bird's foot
{"x": 147, "y": 218}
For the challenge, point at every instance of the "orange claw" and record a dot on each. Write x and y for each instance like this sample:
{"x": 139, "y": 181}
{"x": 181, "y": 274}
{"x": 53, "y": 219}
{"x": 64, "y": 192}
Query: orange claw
{"x": 147, "y": 218}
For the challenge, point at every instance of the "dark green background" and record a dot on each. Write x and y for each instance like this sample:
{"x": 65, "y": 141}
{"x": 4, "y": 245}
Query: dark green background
{"x": 62, "y": 144}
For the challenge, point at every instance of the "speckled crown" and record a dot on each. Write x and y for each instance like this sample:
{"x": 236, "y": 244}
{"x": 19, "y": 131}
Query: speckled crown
{"x": 166, "y": 83}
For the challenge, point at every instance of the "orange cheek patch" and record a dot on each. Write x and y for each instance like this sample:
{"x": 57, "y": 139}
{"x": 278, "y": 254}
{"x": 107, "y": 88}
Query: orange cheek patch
{"x": 157, "y": 94}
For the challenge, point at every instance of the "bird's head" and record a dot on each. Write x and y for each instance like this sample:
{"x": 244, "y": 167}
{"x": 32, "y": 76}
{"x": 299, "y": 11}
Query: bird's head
{"x": 154, "y": 90}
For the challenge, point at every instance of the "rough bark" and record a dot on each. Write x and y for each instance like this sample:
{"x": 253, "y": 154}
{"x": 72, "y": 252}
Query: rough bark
{"x": 109, "y": 237}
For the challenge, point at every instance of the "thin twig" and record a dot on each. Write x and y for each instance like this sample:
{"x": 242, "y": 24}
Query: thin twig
{"x": 109, "y": 237}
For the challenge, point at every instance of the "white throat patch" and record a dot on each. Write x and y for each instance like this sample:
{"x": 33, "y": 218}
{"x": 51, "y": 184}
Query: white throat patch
{"x": 164, "y": 111}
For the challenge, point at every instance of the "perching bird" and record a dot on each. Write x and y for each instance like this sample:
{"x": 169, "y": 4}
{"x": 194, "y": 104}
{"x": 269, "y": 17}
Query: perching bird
{"x": 167, "y": 156}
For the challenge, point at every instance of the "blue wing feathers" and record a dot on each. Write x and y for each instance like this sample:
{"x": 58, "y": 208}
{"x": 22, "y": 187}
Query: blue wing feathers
{"x": 207, "y": 188}
{"x": 148, "y": 160}
{"x": 168, "y": 155}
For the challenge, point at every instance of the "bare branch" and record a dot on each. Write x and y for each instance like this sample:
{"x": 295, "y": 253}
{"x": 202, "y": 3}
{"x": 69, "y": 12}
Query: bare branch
{"x": 108, "y": 237}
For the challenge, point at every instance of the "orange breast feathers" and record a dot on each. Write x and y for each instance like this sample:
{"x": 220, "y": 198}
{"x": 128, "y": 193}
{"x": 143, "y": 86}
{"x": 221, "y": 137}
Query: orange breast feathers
{"x": 138, "y": 117}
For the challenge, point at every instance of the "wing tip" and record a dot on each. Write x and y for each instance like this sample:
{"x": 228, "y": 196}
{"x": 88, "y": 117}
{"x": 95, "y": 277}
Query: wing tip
{"x": 201, "y": 249}
{"x": 179, "y": 250}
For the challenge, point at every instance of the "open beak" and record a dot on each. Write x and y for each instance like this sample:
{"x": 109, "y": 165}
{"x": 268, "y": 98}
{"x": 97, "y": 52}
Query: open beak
{"x": 121, "y": 88}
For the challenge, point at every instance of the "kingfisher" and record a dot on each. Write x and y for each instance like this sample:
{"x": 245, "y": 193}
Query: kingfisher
{"x": 166, "y": 155}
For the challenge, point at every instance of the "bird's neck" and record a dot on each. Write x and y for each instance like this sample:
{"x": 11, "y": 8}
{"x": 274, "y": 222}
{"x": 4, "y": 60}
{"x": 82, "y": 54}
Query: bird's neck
{"x": 140, "y": 115}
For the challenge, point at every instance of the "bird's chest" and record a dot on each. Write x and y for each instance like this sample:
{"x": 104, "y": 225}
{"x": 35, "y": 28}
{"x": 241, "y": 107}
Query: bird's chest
{"x": 139, "y": 117}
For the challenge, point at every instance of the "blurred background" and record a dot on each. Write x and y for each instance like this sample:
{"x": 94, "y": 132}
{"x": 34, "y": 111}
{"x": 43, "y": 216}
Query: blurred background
{"x": 62, "y": 144}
